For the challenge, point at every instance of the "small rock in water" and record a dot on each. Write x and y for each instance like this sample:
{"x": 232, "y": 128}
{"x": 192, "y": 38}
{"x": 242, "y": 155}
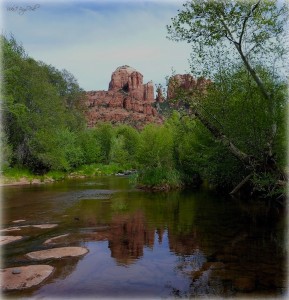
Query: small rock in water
{"x": 52, "y": 240}
{"x": 45, "y": 226}
{"x": 16, "y": 271}
{"x": 18, "y": 221}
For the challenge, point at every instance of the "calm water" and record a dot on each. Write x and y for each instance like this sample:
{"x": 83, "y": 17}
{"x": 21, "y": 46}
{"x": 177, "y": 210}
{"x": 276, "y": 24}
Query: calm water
{"x": 179, "y": 244}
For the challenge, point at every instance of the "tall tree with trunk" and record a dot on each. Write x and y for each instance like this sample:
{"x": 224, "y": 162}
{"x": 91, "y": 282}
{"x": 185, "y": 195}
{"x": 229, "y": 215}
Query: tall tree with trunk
{"x": 224, "y": 34}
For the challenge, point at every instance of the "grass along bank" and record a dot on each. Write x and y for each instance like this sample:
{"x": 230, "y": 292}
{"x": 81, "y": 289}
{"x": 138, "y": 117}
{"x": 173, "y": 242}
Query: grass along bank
{"x": 22, "y": 176}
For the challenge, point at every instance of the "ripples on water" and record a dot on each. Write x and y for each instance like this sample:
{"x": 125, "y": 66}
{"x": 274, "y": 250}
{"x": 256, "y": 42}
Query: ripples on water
{"x": 180, "y": 244}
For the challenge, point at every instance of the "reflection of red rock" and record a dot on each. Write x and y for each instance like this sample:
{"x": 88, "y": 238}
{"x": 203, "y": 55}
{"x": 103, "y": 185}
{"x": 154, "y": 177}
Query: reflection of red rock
{"x": 127, "y": 100}
{"x": 128, "y": 237}
{"x": 183, "y": 244}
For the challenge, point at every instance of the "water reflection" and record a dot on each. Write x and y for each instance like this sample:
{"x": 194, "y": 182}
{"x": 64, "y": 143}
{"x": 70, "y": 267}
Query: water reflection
{"x": 129, "y": 235}
{"x": 178, "y": 244}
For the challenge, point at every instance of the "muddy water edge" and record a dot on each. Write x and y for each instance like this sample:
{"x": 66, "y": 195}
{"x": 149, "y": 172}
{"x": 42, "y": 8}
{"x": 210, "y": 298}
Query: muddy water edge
{"x": 142, "y": 244}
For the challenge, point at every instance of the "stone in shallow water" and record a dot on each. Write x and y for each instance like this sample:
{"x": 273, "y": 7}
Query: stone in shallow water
{"x": 9, "y": 239}
{"x": 41, "y": 226}
{"x": 10, "y": 229}
{"x": 45, "y": 226}
{"x": 57, "y": 253}
{"x": 29, "y": 276}
{"x": 18, "y": 221}
{"x": 55, "y": 239}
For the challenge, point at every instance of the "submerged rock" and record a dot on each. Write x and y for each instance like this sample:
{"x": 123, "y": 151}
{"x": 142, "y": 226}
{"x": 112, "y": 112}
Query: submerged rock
{"x": 17, "y": 228}
{"x": 24, "y": 277}
{"x": 57, "y": 253}
{"x": 45, "y": 226}
{"x": 18, "y": 221}
{"x": 11, "y": 229}
{"x": 54, "y": 239}
{"x": 9, "y": 239}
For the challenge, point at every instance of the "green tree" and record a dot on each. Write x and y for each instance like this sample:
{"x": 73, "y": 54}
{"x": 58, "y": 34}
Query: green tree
{"x": 62, "y": 152}
{"x": 118, "y": 153}
{"x": 35, "y": 113}
{"x": 155, "y": 157}
{"x": 125, "y": 145}
{"x": 104, "y": 134}
{"x": 91, "y": 149}
{"x": 223, "y": 36}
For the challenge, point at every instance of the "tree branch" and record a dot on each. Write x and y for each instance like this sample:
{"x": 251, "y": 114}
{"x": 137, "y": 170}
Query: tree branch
{"x": 253, "y": 73}
{"x": 246, "y": 19}
{"x": 241, "y": 184}
{"x": 218, "y": 134}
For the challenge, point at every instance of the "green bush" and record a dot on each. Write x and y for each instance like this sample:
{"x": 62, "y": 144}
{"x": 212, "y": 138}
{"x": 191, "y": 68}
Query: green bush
{"x": 155, "y": 157}
{"x": 90, "y": 146}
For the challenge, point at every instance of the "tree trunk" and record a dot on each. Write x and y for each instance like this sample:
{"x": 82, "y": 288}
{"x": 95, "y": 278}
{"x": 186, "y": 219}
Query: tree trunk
{"x": 241, "y": 184}
{"x": 218, "y": 134}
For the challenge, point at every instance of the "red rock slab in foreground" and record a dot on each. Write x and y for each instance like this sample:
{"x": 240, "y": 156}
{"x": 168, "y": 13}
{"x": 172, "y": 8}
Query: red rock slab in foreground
{"x": 57, "y": 253}
{"x": 20, "y": 278}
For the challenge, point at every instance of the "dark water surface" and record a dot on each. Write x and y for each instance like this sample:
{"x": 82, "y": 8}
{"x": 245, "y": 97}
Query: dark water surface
{"x": 179, "y": 244}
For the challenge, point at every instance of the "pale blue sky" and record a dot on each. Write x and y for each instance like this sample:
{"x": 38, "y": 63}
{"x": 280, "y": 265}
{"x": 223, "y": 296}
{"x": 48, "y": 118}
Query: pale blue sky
{"x": 92, "y": 38}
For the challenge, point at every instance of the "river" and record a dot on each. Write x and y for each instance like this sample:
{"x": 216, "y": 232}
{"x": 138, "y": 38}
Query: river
{"x": 142, "y": 244}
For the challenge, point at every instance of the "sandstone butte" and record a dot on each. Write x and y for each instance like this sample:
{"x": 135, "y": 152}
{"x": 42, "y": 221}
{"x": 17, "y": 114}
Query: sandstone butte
{"x": 129, "y": 101}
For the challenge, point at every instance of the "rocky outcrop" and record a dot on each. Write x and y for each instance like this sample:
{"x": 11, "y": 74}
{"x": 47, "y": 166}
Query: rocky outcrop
{"x": 160, "y": 97}
{"x": 128, "y": 100}
{"x": 185, "y": 82}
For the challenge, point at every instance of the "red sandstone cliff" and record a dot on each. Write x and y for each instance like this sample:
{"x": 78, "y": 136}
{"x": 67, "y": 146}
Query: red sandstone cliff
{"x": 186, "y": 82}
{"x": 128, "y": 100}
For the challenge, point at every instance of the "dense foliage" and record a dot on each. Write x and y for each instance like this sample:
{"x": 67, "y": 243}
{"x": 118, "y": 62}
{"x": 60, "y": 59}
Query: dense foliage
{"x": 241, "y": 46}
{"x": 44, "y": 130}
{"x": 41, "y": 112}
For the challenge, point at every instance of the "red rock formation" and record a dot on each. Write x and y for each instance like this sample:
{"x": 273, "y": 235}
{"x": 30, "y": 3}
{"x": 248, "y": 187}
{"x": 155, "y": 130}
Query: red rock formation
{"x": 127, "y": 100}
{"x": 160, "y": 97}
{"x": 186, "y": 82}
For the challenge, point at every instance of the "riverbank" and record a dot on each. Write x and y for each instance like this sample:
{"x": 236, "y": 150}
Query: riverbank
{"x": 4, "y": 181}
{"x": 17, "y": 176}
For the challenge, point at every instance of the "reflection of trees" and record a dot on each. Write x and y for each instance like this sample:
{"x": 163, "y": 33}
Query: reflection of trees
{"x": 128, "y": 237}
